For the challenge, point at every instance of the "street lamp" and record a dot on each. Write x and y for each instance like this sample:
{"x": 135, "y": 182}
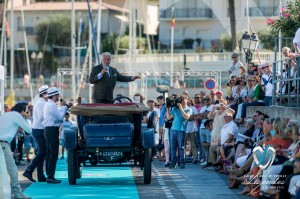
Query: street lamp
{"x": 249, "y": 43}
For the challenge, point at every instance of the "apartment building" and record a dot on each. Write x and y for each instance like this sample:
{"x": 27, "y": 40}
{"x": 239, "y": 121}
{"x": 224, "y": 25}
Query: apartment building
{"x": 34, "y": 13}
{"x": 207, "y": 20}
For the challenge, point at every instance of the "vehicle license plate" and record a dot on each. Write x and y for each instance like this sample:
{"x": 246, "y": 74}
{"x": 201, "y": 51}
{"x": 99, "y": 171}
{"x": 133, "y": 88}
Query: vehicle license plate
{"x": 111, "y": 155}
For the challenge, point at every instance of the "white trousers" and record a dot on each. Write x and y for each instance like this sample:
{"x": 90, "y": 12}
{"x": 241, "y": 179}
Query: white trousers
{"x": 11, "y": 168}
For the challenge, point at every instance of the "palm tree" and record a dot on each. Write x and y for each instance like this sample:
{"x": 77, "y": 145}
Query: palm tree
{"x": 234, "y": 41}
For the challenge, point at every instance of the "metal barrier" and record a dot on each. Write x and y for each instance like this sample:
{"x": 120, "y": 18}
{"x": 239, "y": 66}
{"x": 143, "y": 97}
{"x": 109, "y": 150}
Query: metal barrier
{"x": 286, "y": 83}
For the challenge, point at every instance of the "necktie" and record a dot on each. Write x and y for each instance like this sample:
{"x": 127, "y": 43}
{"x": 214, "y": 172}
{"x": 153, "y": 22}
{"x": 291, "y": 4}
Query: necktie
{"x": 107, "y": 68}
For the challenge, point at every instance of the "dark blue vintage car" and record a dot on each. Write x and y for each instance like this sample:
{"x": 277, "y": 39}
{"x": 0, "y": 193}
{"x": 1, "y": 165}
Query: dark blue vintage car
{"x": 108, "y": 135}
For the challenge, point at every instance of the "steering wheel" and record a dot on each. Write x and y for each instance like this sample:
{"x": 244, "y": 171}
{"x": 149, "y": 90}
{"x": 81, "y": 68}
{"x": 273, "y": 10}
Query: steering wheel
{"x": 121, "y": 99}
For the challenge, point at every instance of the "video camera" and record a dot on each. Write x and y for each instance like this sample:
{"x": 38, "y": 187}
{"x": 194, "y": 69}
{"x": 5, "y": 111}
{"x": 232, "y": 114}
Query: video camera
{"x": 173, "y": 101}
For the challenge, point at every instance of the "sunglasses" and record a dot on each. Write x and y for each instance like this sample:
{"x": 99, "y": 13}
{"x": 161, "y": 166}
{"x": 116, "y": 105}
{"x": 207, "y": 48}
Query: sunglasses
{"x": 206, "y": 99}
{"x": 196, "y": 97}
{"x": 254, "y": 115}
{"x": 233, "y": 57}
{"x": 226, "y": 116}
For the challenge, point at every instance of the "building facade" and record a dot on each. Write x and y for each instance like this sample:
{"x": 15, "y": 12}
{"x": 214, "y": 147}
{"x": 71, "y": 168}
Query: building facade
{"x": 208, "y": 20}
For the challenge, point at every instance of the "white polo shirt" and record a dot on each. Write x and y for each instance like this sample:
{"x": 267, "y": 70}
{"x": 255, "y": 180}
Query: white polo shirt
{"x": 53, "y": 116}
{"x": 229, "y": 128}
{"x": 10, "y": 123}
{"x": 38, "y": 114}
{"x": 297, "y": 38}
{"x": 266, "y": 81}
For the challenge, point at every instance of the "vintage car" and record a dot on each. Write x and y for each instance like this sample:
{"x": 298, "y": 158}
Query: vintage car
{"x": 109, "y": 135}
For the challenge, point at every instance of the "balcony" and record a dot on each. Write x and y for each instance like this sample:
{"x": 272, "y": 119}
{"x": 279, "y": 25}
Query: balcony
{"x": 187, "y": 13}
{"x": 267, "y": 11}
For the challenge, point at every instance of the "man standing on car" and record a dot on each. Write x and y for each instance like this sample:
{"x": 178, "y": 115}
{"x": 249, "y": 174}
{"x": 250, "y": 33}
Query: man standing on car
{"x": 181, "y": 114}
{"x": 53, "y": 118}
{"x": 104, "y": 78}
{"x": 10, "y": 122}
{"x": 38, "y": 134}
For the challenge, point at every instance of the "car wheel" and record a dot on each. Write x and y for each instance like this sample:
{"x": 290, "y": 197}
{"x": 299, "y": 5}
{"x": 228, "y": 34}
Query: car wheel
{"x": 72, "y": 166}
{"x": 147, "y": 166}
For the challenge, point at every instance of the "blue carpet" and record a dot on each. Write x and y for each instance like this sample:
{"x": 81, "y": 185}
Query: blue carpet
{"x": 96, "y": 182}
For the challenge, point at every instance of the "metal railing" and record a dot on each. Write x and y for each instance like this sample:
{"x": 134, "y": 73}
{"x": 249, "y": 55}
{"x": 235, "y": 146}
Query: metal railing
{"x": 286, "y": 82}
{"x": 187, "y": 13}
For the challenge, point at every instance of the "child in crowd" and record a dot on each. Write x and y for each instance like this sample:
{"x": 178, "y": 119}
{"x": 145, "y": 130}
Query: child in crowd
{"x": 65, "y": 125}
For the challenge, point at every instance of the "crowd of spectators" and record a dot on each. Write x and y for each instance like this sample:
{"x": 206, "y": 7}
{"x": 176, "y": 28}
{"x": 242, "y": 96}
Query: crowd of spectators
{"x": 214, "y": 131}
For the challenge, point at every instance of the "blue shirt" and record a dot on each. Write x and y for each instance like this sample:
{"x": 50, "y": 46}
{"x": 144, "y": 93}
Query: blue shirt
{"x": 162, "y": 115}
{"x": 179, "y": 122}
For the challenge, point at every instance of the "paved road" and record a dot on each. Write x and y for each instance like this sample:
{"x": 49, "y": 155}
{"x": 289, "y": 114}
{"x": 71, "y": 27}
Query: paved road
{"x": 127, "y": 183}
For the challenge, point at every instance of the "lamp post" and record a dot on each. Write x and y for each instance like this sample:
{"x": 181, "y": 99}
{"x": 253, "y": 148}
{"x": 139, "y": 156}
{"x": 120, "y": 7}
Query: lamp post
{"x": 249, "y": 44}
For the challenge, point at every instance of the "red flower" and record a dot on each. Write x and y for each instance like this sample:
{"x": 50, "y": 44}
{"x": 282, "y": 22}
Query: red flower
{"x": 287, "y": 15}
{"x": 270, "y": 21}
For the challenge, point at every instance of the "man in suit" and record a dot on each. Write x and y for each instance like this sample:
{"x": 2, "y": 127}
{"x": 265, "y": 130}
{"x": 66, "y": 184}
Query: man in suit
{"x": 104, "y": 78}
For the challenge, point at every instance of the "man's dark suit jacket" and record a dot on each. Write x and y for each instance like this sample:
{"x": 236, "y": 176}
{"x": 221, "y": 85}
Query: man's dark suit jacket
{"x": 104, "y": 87}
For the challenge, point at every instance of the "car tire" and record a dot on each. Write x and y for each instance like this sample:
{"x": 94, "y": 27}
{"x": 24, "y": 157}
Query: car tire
{"x": 72, "y": 166}
{"x": 147, "y": 166}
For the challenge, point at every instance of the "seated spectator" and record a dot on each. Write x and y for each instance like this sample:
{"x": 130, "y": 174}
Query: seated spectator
{"x": 257, "y": 98}
{"x": 267, "y": 83}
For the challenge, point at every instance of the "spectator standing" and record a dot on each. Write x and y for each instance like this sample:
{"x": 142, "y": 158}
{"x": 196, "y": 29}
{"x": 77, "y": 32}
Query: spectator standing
{"x": 67, "y": 124}
{"x": 237, "y": 67}
{"x": 296, "y": 41}
{"x": 204, "y": 133}
{"x": 53, "y": 117}
{"x": 10, "y": 123}
{"x": 181, "y": 114}
{"x": 191, "y": 130}
{"x": 267, "y": 83}
{"x": 38, "y": 135}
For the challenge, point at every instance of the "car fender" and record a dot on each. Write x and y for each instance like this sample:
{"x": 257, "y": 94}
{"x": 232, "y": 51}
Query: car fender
{"x": 148, "y": 138}
{"x": 70, "y": 137}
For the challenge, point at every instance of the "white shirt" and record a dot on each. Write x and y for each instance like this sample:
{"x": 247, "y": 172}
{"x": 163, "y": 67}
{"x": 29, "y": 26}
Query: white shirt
{"x": 269, "y": 85}
{"x": 297, "y": 38}
{"x": 192, "y": 125}
{"x": 203, "y": 110}
{"x": 10, "y": 123}
{"x": 38, "y": 114}
{"x": 52, "y": 115}
{"x": 158, "y": 114}
{"x": 65, "y": 125}
{"x": 228, "y": 128}
{"x": 235, "y": 69}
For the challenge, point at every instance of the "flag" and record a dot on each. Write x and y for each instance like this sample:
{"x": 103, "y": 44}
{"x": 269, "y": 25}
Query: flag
{"x": 10, "y": 100}
{"x": 173, "y": 21}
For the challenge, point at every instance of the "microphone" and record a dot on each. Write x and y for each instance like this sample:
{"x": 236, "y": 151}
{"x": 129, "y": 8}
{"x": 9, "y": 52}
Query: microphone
{"x": 162, "y": 89}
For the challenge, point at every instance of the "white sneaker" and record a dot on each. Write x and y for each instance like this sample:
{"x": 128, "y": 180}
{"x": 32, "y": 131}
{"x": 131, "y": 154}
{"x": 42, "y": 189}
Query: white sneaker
{"x": 204, "y": 163}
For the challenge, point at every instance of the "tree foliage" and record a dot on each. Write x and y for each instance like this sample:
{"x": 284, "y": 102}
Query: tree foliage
{"x": 56, "y": 30}
{"x": 267, "y": 38}
{"x": 289, "y": 21}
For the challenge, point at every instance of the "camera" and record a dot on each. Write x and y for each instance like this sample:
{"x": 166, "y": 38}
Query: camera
{"x": 173, "y": 101}
{"x": 217, "y": 106}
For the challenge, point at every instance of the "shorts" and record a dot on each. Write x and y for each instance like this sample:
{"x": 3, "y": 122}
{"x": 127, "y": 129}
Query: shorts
{"x": 62, "y": 142}
{"x": 29, "y": 140}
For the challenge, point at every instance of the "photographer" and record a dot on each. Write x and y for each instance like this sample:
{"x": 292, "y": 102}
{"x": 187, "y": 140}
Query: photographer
{"x": 181, "y": 114}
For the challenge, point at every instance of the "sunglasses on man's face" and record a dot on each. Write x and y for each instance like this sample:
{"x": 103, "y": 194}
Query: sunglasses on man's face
{"x": 226, "y": 116}
{"x": 233, "y": 57}
{"x": 196, "y": 97}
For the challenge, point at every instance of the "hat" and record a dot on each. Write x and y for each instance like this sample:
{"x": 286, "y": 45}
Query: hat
{"x": 43, "y": 89}
{"x": 231, "y": 111}
{"x": 53, "y": 91}
{"x": 219, "y": 93}
{"x": 151, "y": 101}
{"x": 235, "y": 55}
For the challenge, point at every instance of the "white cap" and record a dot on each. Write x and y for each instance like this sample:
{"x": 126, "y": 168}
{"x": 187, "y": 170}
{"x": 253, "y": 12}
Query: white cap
{"x": 52, "y": 91}
{"x": 43, "y": 89}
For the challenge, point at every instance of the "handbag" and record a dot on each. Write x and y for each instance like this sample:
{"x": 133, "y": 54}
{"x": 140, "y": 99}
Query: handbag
{"x": 169, "y": 123}
{"x": 160, "y": 145}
